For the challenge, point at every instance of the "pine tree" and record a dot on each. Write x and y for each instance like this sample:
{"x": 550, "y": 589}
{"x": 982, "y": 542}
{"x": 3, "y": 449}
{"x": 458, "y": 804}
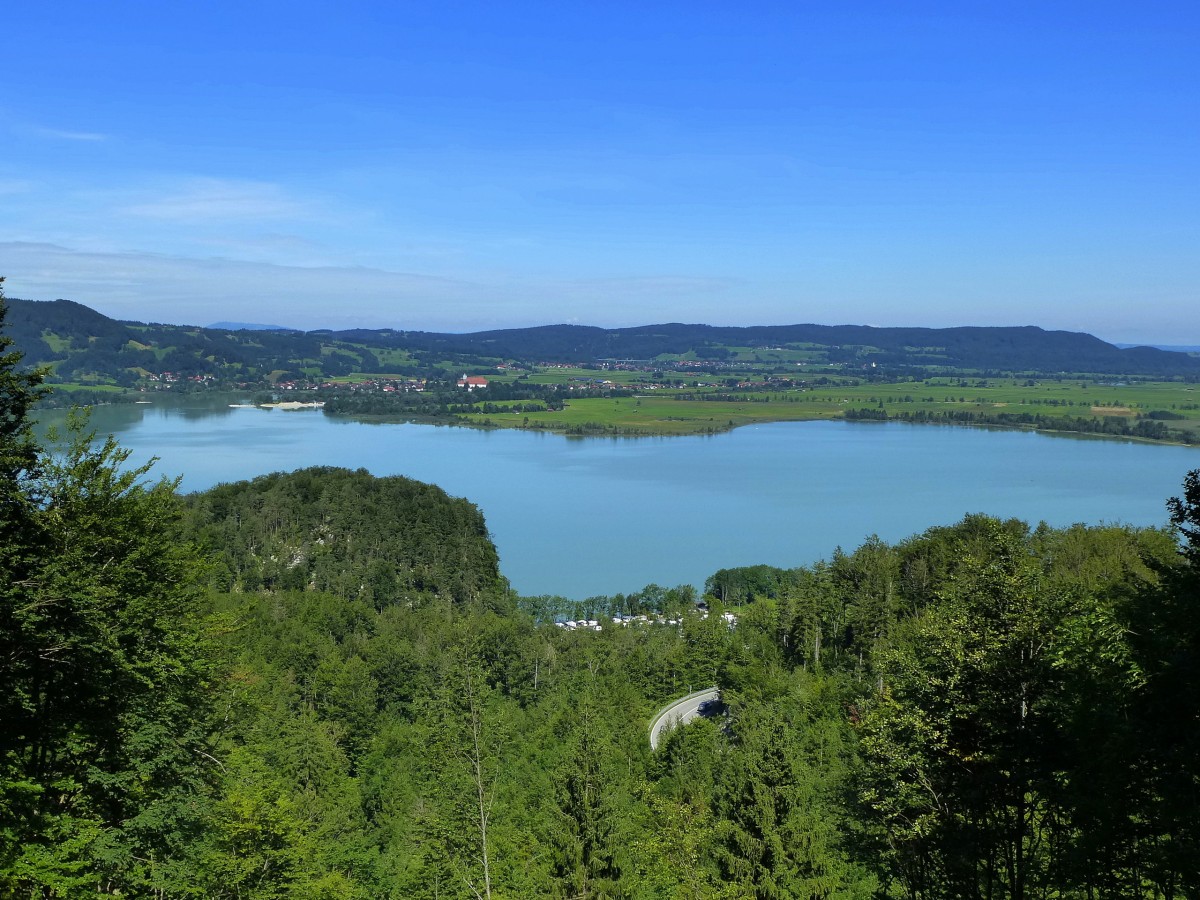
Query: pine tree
{"x": 19, "y": 391}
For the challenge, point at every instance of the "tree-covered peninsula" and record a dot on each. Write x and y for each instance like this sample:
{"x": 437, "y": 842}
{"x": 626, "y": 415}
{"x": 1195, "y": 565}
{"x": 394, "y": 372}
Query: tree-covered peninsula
{"x": 319, "y": 685}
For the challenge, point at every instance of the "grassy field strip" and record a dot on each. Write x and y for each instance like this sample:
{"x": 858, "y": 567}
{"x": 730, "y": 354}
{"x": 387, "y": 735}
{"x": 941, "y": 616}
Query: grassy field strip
{"x": 664, "y": 412}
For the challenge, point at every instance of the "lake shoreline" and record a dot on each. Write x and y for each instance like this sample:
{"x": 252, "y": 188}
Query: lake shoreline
{"x": 578, "y": 518}
{"x": 601, "y": 430}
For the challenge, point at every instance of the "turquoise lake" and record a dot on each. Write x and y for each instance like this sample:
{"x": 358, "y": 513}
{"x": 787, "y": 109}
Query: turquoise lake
{"x": 580, "y": 517}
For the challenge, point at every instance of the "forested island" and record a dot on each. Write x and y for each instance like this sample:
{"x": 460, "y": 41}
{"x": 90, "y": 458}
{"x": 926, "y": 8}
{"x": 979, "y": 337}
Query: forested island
{"x": 319, "y": 685}
{"x": 650, "y": 380}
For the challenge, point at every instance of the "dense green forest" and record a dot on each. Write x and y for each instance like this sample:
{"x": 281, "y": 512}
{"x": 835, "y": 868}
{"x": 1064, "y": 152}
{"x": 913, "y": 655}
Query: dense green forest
{"x": 319, "y": 685}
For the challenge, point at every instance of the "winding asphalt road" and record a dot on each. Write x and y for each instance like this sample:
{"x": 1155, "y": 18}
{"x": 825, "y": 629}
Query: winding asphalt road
{"x": 682, "y": 711}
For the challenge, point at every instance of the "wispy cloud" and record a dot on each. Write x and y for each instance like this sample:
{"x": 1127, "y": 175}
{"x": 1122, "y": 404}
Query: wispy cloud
{"x": 275, "y": 247}
{"x": 216, "y": 198}
{"x": 188, "y": 290}
{"x": 159, "y": 287}
{"x": 60, "y": 134}
{"x": 652, "y": 286}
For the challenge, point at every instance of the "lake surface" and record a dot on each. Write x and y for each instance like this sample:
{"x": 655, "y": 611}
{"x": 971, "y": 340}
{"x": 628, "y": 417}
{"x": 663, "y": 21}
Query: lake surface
{"x": 581, "y": 517}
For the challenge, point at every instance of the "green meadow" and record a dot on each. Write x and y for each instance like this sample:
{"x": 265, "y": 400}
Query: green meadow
{"x": 691, "y": 411}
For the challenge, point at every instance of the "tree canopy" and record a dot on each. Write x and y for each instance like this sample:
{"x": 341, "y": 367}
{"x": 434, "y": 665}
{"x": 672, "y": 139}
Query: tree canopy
{"x": 103, "y": 665}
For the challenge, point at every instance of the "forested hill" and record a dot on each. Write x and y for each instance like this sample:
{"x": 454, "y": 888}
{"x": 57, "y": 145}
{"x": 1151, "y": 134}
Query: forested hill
{"x": 1011, "y": 349}
{"x": 383, "y": 540}
{"x": 80, "y": 343}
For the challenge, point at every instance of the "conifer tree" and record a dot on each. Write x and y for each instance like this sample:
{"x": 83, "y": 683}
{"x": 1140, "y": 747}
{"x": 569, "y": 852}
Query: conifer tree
{"x": 1165, "y": 629}
{"x": 19, "y": 390}
{"x": 102, "y": 668}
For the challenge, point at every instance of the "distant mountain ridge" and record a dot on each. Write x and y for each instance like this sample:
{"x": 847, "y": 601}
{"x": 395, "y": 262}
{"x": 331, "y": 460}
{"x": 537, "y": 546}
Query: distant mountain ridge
{"x": 247, "y": 326}
{"x": 78, "y": 341}
{"x": 1016, "y": 348}
{"x": 1174, "y": 348}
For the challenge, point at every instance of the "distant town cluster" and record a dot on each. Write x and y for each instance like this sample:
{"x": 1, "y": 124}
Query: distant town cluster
{"x": 625, "y": 621}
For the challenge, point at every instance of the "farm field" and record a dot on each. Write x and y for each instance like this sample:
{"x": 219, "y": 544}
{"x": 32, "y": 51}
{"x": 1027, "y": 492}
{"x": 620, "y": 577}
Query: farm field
{"x": 698, "y": 409}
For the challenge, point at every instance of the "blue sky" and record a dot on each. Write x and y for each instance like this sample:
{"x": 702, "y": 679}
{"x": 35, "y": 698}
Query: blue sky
{"x": 461, "y": 166}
